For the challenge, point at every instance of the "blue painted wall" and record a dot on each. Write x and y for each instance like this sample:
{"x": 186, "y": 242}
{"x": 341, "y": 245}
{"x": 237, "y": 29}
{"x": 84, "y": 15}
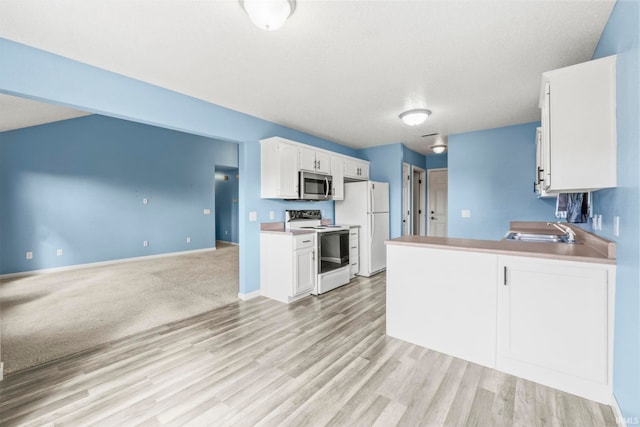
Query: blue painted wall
{"x": 491, "y": 173}
{"x": 621, "y": 36}
{"x": 227, "y": 204}
{"x": 78, "y": 185}
{"x": 437, "y": 161}
{"x": 413, "y": 158}
{"x": 386, "y": 166}
{"x": 28, "y": 72}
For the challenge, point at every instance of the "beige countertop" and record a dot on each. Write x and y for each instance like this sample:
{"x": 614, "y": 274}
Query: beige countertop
{"x": 278, "y": 228}
{"x": 588, "y": 247}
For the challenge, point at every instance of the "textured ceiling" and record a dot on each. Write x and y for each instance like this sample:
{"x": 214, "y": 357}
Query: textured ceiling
{"x": 341, "y": 70}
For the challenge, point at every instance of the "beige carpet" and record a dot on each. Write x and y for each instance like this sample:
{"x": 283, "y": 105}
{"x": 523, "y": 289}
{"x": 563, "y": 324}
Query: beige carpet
{"x": 47, "y": 316}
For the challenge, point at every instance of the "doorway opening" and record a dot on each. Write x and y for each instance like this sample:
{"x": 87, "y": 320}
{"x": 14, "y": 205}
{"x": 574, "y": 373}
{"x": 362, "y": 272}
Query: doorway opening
{"x": 418, "y": 205}
{"x": 226, "y": 213}
{"x": 406, "y": 199}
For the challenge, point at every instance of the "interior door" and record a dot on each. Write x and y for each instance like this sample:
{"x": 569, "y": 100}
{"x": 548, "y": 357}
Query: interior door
{"x": 438, "y": 202}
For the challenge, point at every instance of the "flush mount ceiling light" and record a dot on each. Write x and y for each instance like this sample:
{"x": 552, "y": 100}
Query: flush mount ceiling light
{"x": 415, "y": 117}
{"x": 439, "y": 148}
{"x": 268, "y": 14}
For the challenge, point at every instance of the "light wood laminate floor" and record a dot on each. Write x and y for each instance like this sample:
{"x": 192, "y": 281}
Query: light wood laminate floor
{"x": 321, "y": 361}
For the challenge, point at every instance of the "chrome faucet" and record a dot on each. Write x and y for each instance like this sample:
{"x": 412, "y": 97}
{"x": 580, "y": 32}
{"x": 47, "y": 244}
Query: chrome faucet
{"x": 571, "y": 235}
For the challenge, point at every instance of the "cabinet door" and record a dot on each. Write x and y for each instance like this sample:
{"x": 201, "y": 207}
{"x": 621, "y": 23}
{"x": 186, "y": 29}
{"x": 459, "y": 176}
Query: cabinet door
{"x": 288, "y": 172}
{"x": 307, "y": 159}
{"x": 337, "y": 172}
{"x": 581, "y": 120}
{"x": 323, "y": 162}
{"x": 363, "y": 170}
{"x": 303, "y": 271}
{"x": 553, "y": 322}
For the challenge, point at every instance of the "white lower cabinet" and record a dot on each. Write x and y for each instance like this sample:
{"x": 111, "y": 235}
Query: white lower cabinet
{"x": 555, "y": 324}
{"x": 287, "y": 265}
{"x": 304, "y": 271}
{"x": 549, "y": 321}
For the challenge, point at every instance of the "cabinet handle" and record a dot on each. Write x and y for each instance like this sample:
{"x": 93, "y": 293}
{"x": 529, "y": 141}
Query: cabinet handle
{"x": 318, "y": 167}
{"x": 306, "y": 241}
{"x": 540, "y": 178}
{"x": 505, "y": 275}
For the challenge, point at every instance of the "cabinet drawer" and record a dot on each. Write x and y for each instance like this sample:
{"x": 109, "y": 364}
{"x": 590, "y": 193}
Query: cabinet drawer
{"x": 303, "y": 241}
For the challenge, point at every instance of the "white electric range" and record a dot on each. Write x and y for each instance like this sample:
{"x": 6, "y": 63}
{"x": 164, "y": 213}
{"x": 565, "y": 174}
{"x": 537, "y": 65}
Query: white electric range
{"x": 332, "y": 248}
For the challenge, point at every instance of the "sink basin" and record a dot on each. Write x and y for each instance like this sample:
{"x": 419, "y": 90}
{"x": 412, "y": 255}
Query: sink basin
{"x": 538, "y": 238}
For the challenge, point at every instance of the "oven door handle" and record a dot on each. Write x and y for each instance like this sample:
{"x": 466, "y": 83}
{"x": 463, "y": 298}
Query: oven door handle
{"x": 326, "y": 192}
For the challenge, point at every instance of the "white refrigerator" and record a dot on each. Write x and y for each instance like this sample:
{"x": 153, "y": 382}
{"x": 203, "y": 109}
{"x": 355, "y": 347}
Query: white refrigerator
{"x": 366, "y": 203}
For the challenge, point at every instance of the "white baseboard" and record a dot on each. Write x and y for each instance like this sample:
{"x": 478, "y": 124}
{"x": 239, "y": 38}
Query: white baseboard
{"x": 100, "y": 264}
{"x": 250, "y": 295}
{"x": 620, "y": 421}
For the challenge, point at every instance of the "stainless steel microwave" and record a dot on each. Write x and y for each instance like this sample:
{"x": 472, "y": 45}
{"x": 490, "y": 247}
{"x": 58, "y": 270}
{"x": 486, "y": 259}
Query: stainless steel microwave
{"x": 314, "y": 186}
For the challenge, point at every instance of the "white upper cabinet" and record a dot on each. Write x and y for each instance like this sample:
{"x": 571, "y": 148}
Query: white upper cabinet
{"x": 315, "y": 161}
{"x": 279, "y": 165}
{"x": 356, "y": 169}
{"x": 578, "y": 136}
{"x": 282, "y": 160}
{"x": 337, "y": 172}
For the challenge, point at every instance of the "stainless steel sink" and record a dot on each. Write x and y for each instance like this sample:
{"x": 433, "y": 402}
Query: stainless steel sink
{"x": 534, "y": 237}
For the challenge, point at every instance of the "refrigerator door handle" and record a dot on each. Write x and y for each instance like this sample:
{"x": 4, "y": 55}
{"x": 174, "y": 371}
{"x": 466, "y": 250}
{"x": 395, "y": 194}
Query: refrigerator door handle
{"x": 372, "y": 200}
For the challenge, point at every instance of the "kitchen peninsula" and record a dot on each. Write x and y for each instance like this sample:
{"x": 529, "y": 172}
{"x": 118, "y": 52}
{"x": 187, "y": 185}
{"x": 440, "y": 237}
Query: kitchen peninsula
{"x": 541, "y": 311}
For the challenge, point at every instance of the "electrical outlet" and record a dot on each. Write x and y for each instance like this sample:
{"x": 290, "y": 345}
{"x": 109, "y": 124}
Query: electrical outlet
{"x": 29, "y": 255}
{"x": 466, "y": 213}
{"x": 59, "y": 252}
{"x": 145, "y": 243}
{"x": 253, "y": 216}
{"x": 188, "y": 239}
{"x": 272, "y": 215}
{"x": 145, "y": 201}
{"x": 207, "y": 211}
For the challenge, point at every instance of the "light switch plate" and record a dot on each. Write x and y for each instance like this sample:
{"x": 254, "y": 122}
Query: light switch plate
{"x": 272, "y": 215}
{"x": 466, "y": 213}
{"x": 207, "y": 211}
{"x": 253, "y": 216}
